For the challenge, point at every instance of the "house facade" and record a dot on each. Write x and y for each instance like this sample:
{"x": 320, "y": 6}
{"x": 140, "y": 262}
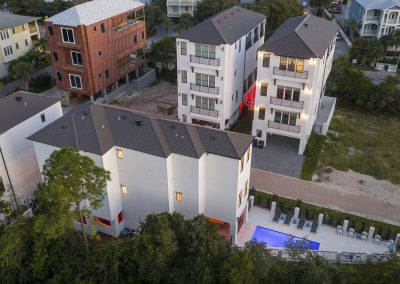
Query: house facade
{"x": 156, "y": 165}
{"x": 16, "y": 35}
{"x": 293, "y": 67}
{"x": 175, "y": 8}
{"x": 376, "y": 17}
{"x": 97, "y": 46}
{"x": 21, "y": 115}
{"x": 217, "y": 67}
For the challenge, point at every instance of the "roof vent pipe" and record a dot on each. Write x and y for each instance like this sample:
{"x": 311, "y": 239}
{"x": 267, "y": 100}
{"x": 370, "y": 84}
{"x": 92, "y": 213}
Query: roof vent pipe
{"x": 139, "y": 122}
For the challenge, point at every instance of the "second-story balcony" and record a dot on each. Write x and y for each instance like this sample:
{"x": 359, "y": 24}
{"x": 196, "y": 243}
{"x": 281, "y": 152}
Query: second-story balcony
{"x": 286, "y": 103}
{"x": 293, "y": 74}
{"x": 202, "y": 60}
{"x": 372, "y": 18}
{"x": 204, "y": 89}
{"x": 284, "y": 127}
{"x": 207, "y": 112}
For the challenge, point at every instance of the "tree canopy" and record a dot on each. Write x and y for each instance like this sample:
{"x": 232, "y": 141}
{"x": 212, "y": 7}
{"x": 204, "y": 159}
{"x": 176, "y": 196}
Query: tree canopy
{"x": 366, "y": 50}
{"x": 208, "y": 8}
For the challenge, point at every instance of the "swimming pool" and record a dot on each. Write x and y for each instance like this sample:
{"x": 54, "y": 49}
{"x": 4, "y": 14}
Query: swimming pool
{"x": 275, "y": 239}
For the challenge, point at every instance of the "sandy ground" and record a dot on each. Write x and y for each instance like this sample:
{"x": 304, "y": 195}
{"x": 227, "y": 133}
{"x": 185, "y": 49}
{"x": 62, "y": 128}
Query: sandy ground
{"x": 148, "y": 99}
{"x": 360, "y": 184}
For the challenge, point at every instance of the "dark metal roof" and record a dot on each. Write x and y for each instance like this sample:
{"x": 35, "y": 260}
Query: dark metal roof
{"x": 8, "y": 20}
{"x": 302, "y": 37}
{"x": 14, "y": 112}
{"x": 224, "y": 28}
{"x": 96, "y": 128}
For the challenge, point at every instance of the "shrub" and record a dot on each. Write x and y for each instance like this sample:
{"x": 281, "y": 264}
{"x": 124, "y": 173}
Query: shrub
{"x": 40, "y": 83}
{"x": 312, "y": 153}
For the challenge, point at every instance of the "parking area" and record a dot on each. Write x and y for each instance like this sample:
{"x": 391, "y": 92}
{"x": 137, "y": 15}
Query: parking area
{"x": 279, "y": 156}
{"x": 340, "y": 49}
{"x": 162, "y": 94}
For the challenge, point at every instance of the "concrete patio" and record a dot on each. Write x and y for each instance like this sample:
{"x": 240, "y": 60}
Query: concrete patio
{"x": 327, "y": 236}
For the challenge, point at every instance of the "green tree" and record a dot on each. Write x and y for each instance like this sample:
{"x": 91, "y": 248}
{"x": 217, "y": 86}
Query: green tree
{"x": 366, "y": 50}
{"x": 69, "y": 180}
{"x": 390, "y": 91}
{"x": 207, "y": 8}
{"x": 162, "y": 53}
{"x": 153, "y": 16}
{"x": 185, "y": 22}
{"x": 320, "y": 5}
{"x": 162, "y": 4}
{"x": 166, "y": 23}
{"x": 353, "y": 27}
{"x": 22, "y": 70}
{"x": 40, "y": 53}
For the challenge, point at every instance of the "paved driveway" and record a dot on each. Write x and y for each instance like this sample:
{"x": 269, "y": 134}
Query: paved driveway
{"x": 280, "y": 156}
{"x": 341, "y": 48}
{"x": 316, "y": 194}
{"x": 378, "y": 76}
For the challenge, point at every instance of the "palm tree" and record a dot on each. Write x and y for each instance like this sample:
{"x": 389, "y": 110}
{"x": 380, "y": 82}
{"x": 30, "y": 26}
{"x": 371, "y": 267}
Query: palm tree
{"x": 23, "y": 70}
{"x": 353, "y": 27}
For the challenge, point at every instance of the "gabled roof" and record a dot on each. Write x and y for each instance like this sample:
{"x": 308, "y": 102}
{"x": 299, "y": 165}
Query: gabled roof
{"x": 20, "y": 106}
{"x": 302, "y": 37}
{"x": 93, "y": 11}
{"x": 10, "y": 20}
{"x": 224, "y": 28}
{"x": 96, "y": 128}
{"x": 379, "y": 4}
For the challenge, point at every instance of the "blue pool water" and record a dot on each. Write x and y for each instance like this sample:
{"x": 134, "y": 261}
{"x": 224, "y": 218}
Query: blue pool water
{"x": 277, "y": 239}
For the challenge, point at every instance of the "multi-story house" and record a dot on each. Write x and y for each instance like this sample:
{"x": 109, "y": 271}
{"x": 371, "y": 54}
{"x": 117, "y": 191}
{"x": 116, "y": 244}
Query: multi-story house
{"x": 216, "y": 63}
{"x": 376, "y": 17}
{"x": 21, "y": 115}
{"x": 16, "y": 35}
{"x": 293, "y": 67}
{"x": 97, "y": 46}
{"x": 175, "y": 8}
{"x": 156, "y": 165}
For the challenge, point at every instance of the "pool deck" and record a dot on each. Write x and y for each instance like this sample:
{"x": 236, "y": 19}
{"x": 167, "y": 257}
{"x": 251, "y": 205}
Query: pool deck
{"x": 327, "y": 237}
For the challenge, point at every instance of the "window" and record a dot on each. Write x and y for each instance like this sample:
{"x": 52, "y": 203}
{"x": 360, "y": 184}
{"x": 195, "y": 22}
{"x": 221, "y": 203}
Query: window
{"x": 184, "y": 76}
{"x": 184, "y": 118}
{"x": 266, "y": 59}
{"x": 107, "y": 74}
{"x": 103, "y": 222}
{"x": 184, "y": 99}
{"x": 247, "y": 155}
{"x": 240, "y": 198}
{"x": 120, "y": 154}
{"x": 205, "y": 80}
{"x": 120, "y": 217}
{"x": 135, "y": 38}
{"x": 205, "y": 103}
{"x": 13, "y": 31}
{"x": 142, "y": 34}
{"x": 51, "y": 31}
{"x": 43, "y": 117}
{"x": 178, "y": 196}
{"x": 262, "y": 29}
{"x": 242, "y": 164}
{"x": 94, "y": 28}
{"x": 124, "y": 189}
{"x": 75, "y": 81}
{"x": 68, "y": 35}
{"x": 55, "y": 55}
{"x": 285, "y": 118}
{"x": 8, "y": 50}
{"x": 183, "y": 48}
{"x": 256, "y": 34}
{"x": 264, "y": 89}
{"x": 16, "y": 45}
{"x": 59, "y": 76}
{"x": 258, "y": 133}
{"x": 249, "y": 40}
{"x": 246, "y": 189}
{"x": 4, "y": 35}
{"x": 261, "y": 113}
{"x": 288, "y": 93}
{"x": 236, "y": 95}
{"x": 240, "y": 45}
{"x": 76, "y": 58}
{"x": 99, "y": 53}
{"x": 23, "y": 27}
{"x": 26, "y": 42}
{"x": 205, "y": 50}
{"x": 103, "y": 28}
{"x": 291, "y": 64}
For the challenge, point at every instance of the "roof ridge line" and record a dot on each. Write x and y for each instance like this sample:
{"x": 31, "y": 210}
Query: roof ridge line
{"x": 78, "y": 148}
{"x": 309, "y": 47}
{"x": 302, "y": 23}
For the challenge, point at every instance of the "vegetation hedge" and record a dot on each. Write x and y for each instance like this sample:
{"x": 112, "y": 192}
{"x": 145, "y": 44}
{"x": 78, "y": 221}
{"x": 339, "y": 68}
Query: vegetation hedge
{"x": 312, "y": 153}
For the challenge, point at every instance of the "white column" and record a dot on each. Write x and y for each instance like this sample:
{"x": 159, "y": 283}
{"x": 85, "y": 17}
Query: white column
{"x": 371, "y": 232}
{"x": 296, "y": 212}
{"x": 396, "y": 242}
{"x": 273, "y": 207}
{"x": 345, "y": 225}
{"x": 320, "y": 218}
{"x": 251, "y": 201}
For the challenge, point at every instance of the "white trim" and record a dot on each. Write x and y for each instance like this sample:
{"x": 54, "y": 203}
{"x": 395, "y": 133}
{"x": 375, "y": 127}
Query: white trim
{"x": 70, "y": 81}
{"x": 72, "y": 59}
{"x": 62, "y": 37}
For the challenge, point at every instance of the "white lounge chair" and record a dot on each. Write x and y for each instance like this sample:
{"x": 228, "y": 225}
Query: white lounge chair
{"x": 377, "y": 239}
{"x": 350, "y": 233}
{"x": 339, "y": 230}
{"x": 364, "y": 235}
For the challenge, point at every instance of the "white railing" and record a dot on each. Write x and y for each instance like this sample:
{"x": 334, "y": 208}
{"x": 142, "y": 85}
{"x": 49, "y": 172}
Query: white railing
{"x": 287, "y": 73}
{"x": 372, "y": 18}
{"x": 208, "y": 112}
{"x": 127, "y": 24}
{"x": 204, "y": 89}
{"x": 287, "y": 103}
{"x": 284, "y": 127}
{"x": 202, "y": 60}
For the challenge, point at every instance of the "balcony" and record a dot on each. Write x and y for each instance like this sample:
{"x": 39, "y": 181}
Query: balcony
{"x": 202, "y": 60}
{"x": 284, "y": 127}
{"x": 293, "y": 74}
{"x": 372, "y": 18}
{"x": 286, "y": 103}
{"x": 207, "y": 112}
{"x": 204, "y": 89}
{"x": 126, "y": 25}
{"x": 134, "y": 63}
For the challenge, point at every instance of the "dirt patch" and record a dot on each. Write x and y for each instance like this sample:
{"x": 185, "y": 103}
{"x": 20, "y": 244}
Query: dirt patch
{"x": 148, "y": 99}
{"x": 356, "y": 183}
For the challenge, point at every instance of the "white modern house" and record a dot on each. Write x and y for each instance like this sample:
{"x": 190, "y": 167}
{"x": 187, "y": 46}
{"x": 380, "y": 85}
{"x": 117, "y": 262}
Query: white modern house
{"x": 376, "y": 17}
{"x": 21, "y": 115}
{"x": 175, "y": 8}
{"x": 217, "y": 67}
{"x": 16, "y": 34}
{"x": 293, "y": 67}
{"x": 156, "y": 165}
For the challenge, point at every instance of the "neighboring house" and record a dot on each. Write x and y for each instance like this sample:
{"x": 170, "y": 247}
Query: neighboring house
{"x": 16, "y": 35}
{"x": 175, "y": 8}
{"x": 21, "y": 115}
{"x": 217, "y": 67}
{"x": 293, "y": 66}
{"x": 376, "y": 17}
{"x": 97, "y": 46}
{"x": 156, "y": 165}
